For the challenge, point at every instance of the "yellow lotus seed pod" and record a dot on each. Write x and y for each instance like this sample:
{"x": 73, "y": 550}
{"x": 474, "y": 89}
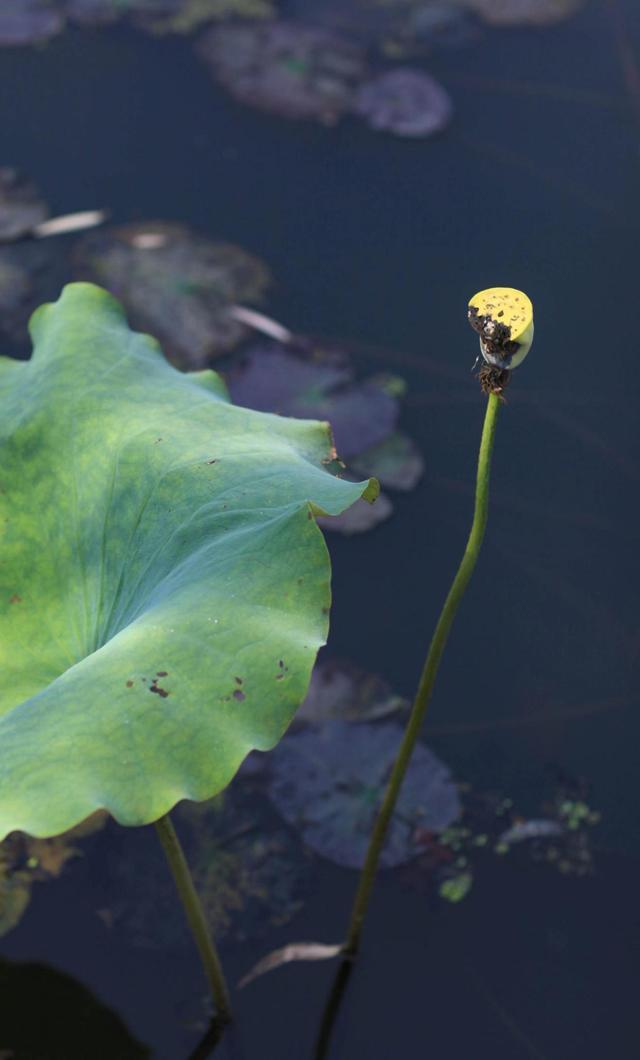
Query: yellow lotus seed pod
{"x": 503, "y": 318}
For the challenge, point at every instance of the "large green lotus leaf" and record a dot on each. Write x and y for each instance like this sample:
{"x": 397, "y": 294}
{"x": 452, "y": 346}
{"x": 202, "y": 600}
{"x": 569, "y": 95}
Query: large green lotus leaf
{"x": 164, "y": 587}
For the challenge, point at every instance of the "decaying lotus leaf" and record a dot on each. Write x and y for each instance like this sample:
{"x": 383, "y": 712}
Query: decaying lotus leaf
{"x": 405, "y": 102}
{"x": 319, "y": 386}
{"x": 21, "y": 207}
{"x": 397, "y": 462}
{"x": 189, "y": 15}
{"x": 28, "y": 21}
{"x": 175, "y": 284}
{"x": 102, "y": 12}
{"x": 397, "y": 28}
{"x": 328, "y": 782}
{"x": 286, "y": 68}
{"x": 524, "y": 12}
{"x": 342, "y": 690}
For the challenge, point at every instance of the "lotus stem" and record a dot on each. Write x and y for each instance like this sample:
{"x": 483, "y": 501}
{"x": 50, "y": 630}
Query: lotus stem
{"x": 195, "y": 915}
{"x": 427, "y": 679}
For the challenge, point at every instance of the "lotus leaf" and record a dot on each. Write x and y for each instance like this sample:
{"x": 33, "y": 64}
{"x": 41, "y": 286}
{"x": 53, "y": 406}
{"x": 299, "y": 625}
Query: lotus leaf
{"x": 28, "y": 21}
{"x": 175, "y": 284}
{"x": 164, "y": 587}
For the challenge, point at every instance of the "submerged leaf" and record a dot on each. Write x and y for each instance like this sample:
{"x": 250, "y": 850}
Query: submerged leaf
{"x": 286, "y": 68}
{"x": 329, "y": 782}
{"x": 295, "y": 951}
{"x": 164, "y": 588}
{"x": 250, "y": 876}
{"x": 175, "y": 284}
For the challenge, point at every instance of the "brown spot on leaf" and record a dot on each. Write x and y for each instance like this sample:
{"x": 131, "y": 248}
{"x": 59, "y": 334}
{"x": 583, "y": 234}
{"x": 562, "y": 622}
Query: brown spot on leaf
{"x": 162, "y": 673}
{"x": 239, "y": 695}
{"x": 154, "y": 687}
{"x": 238, "y": 680}
{"x": 129, "y": 684}
{"x": 15, "y": 599}
{"x": 212, "y": 461}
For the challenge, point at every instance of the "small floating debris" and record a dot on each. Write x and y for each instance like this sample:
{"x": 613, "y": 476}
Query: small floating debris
{"x": 69, "y": 222}
{"x": 405, "y": 102}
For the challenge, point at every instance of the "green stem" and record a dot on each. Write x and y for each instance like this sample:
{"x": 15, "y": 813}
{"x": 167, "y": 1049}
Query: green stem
{"x": 195, "y": 916}
{"x": 427, "y": 678}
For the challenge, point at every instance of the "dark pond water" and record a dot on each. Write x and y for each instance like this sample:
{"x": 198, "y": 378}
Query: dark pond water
{"x": 381, "y": 241}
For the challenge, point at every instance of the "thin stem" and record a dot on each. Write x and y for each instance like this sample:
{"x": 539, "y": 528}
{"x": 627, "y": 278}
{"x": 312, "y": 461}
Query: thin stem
{"x": 427, "y": 678}
{"x": 195, "y": 916}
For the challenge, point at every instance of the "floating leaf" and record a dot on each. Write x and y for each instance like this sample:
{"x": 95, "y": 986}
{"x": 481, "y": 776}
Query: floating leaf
{"x": 329, "y": 782}
{"x": 342, "y": 690}
{"x": 320, "y": 386}
{"x": 399, "y": 27}
{"x": 295, "y": 951}
{"x": 189, "y": 15}
{"x": 360, "y": 517}
{"x": 175, "y": 284}
{"x": 28, "y": 21}
{"x": 21, "y": 207}
{"x": 395, "y": 462}
{"x": 405, "y": 102}
{"x": 164, "y": 587}
{"x": 524, "y": 12}
{"x": 286, "y": 68}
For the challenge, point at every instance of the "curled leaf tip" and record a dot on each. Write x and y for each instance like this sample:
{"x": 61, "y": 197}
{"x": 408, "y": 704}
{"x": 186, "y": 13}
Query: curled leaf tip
{"x": 503, "y": 318}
